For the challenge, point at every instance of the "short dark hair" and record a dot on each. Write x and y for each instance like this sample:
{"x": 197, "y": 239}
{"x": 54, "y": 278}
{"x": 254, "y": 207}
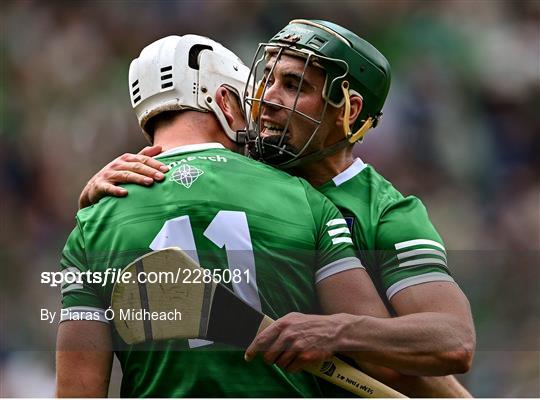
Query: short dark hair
{"x": 163, "y": 118}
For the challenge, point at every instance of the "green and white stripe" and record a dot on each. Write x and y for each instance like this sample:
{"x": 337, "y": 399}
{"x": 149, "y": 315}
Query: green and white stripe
{"x": 418, "y": 242}
{"x": 420, "y": 252}
{"x": 337, "y": 266}
{"x": 339, "y": 231}
{"x": 416, "y": 280}
{"x": 68, "y": 287}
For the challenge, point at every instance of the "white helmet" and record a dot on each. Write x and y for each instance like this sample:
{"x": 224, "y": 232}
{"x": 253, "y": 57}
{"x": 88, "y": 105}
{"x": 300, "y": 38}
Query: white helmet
{"x": 184, "y": 73}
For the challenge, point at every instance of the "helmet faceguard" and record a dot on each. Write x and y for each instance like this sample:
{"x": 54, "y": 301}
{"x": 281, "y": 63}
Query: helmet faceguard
{"x": 352, "y": 67}
{"x": 184, "y": 73}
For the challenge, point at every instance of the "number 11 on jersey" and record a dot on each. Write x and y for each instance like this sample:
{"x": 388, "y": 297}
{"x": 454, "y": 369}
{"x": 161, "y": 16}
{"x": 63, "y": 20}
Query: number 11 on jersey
{"x": 229, "y": 230}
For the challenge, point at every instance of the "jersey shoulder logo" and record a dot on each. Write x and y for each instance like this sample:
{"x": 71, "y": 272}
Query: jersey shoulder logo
{"x": 186, "y": 174}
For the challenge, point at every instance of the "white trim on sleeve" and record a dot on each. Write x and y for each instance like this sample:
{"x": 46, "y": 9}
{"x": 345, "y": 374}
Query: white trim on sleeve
{"x": 70, "y": 288}
{"x": 422, "y": 261}
{"x": 333, "y": 268}
{"x": 416, "y": 280}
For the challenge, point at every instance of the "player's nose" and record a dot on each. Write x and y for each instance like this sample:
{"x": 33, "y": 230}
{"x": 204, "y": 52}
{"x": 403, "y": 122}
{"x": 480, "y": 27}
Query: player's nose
{"x": 271, "y": 99}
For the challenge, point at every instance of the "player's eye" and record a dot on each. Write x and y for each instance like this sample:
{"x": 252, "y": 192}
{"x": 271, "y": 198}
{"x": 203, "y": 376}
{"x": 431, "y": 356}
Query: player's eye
{"x": 291, "y": 85}
{"x": 269, "y": 81}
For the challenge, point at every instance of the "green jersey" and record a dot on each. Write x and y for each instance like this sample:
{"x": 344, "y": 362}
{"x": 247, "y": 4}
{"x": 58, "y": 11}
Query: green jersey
{"x": 396, "y": 241}
{"x": 231, "y": 213}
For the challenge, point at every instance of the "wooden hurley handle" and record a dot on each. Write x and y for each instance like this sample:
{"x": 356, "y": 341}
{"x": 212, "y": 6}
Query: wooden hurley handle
{"x": 349, "y": 378}
{"x": 341, "y": 374}
{"x": 265, "y": 323}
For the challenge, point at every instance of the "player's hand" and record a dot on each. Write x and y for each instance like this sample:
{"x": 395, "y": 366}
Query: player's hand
{"x": 296, "y": 340}
{"x": 138, "y": 168}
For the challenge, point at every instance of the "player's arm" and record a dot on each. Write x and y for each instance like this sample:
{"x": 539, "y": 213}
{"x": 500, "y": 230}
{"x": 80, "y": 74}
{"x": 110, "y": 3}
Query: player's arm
{"x": 83, "y": 359}
{"x": 348, "y": 296}
{"x": 431, "y": 337}
{"x": 351, "y": 331}
{"x": 297, "y": 339}
{"x": 434, "y": 320}
{"x": 83, "y": 352}
{"x": 138, "y": 168}
{"x": 310, "y": 338}
{"x": 433, "y": 333}
{"x": 434, "y": 328}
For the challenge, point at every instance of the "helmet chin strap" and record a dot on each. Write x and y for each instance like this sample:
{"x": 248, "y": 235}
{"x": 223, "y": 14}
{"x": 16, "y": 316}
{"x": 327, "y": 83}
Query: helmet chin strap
{"x": 319, "y": 155}
{"x": 359, "y": 134}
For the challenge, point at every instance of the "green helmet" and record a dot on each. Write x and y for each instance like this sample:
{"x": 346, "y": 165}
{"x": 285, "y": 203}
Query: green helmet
{"x": 368, "y": 70}
{"x": 352, "y": 67}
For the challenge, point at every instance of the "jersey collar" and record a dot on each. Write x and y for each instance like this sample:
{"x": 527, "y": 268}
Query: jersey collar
{"x": 190, "y": 148}
{"x": 352, "y": 170}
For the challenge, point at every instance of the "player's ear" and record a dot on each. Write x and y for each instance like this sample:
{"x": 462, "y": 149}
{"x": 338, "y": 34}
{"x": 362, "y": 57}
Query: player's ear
{"x": 225, "y": 103}
{"x": 356, "y": 108}
{"x": 229, "y": 104}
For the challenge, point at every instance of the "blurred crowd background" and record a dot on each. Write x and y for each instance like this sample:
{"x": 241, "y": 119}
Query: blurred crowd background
{"x": 461, "y": 130}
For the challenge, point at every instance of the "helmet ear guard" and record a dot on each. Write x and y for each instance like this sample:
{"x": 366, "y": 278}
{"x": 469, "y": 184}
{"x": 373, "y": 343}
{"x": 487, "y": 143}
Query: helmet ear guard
{"x": 214, "y": 73}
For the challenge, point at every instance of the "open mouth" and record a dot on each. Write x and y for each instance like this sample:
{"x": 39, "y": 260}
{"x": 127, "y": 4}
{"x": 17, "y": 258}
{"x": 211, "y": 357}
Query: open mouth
{"x": 272, "y": 129}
